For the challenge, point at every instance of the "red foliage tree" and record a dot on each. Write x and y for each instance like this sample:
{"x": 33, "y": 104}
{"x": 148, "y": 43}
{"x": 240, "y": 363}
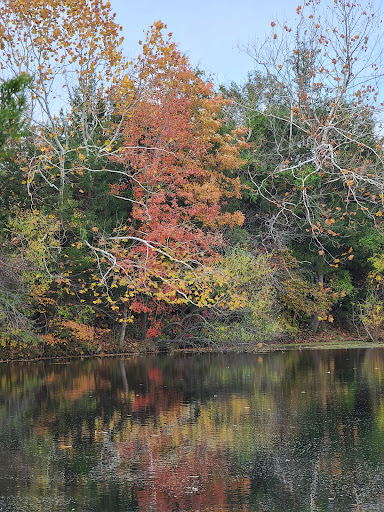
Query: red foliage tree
{"x": 177, "y": 166}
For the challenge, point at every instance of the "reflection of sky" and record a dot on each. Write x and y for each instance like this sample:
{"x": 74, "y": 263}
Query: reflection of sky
{"x": 209, "y": 31}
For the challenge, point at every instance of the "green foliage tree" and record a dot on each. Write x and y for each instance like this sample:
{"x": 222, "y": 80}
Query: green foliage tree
{"x": 14, "y": 286}
{"x": 13, "y": 103}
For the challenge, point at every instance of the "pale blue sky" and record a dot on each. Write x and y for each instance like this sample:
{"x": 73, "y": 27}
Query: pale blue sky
{"x": 208, "y": 31}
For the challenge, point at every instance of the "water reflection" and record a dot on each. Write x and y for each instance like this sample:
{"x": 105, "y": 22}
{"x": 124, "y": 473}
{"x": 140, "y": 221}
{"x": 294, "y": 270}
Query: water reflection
{"x": 295, "y": 431}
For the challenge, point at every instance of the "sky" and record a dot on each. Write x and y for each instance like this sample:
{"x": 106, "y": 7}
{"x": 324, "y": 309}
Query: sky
{"x": 208, "y": 31}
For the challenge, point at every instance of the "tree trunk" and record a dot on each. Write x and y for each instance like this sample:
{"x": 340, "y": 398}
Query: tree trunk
{"x": 144, "y": 318}
{"x": 123, "y": 326}
{"x": 315, "y": 319}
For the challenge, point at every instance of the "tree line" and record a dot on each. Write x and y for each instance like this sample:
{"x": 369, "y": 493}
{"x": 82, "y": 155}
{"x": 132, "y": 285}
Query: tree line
{"x": 139, "y": 202}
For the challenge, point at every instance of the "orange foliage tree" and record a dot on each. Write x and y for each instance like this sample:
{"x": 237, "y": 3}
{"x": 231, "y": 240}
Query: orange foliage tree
{"x": 71, "y": 51}
{"x": 65, "y": 46}
{"x": 151, "y": 131}
{"x": 177, "y": 162}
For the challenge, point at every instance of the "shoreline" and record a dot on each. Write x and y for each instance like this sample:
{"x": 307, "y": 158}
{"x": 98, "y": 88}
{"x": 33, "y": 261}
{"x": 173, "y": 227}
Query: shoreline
{"x": 320, "y": 344}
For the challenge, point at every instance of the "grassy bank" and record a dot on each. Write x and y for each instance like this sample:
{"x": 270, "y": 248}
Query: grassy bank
{"x": 325, "y": 340}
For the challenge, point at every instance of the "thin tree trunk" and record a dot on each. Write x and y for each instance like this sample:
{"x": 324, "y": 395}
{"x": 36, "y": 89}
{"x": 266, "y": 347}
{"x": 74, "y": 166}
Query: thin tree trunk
{"x": 123, "y": 326}
{"x": 315, "y": 319}
{"x": 144, "y": 318}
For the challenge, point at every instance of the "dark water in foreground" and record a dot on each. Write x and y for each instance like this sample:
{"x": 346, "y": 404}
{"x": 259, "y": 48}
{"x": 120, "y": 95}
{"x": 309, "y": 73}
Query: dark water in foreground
{"x": 296, "y": 431}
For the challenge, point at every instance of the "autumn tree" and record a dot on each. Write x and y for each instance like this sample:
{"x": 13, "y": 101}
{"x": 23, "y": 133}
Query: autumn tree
{"x": 64, "y": 46}
{"x": 71, "y": 51}
{"x": 128, "y": 157}
{"x": 177, "y": 173}
{"x": 312, "y": 110}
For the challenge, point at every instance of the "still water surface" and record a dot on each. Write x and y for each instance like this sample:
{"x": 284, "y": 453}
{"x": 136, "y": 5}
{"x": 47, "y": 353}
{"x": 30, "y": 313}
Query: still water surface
{"x": 295, "y": 431}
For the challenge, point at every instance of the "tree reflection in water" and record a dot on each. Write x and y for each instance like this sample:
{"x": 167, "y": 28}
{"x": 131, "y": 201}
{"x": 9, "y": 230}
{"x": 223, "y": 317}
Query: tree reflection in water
{"x": 295, "y": 431}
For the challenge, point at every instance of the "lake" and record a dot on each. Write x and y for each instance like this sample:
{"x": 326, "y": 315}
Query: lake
{"x": 283, "y": 431}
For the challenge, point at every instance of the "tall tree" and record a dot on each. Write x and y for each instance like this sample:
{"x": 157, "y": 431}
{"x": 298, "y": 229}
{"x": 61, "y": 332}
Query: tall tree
{"x": 66, "y": 46}
{"x": 311, "y": 107}
{"x": 317, "y": 86}
{"x": 71, "y": 49}
{"x": 19, "y": 286}
{"x": 177, "y": 168}
{"x": 130, "y": 158}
